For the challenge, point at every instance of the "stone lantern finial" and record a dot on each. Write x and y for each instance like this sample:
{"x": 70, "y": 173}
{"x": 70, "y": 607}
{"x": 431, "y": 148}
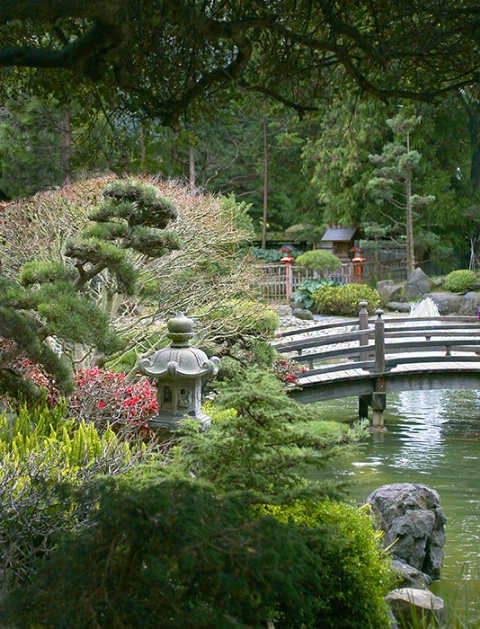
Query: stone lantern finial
{"x": 180, "y": 330}
{"x": 179, "y": 370}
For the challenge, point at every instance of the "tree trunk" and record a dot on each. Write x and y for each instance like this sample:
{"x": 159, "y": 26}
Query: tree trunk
{"x": 265, "y": 185}
{"x": 67, "y": 148}
{"x": 192, "y": 168}
{"x": 409, "y": 222}
{"x": 143, "y": 147}
{"x": 409, "y": 217}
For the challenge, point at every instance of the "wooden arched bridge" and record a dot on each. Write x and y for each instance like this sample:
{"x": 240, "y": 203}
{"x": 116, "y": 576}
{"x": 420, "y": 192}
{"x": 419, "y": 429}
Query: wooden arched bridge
{"x": 368, "y": 358}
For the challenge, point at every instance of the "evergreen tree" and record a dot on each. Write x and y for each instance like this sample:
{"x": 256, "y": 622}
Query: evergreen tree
{"x": 51, "y": 300}
{"x": 393, "y": 175}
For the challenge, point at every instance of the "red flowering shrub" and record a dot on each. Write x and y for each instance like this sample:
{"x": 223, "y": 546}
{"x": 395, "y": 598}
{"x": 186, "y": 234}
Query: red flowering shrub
{"x": 287, "y": 370}
{"x": 18, "y": 362}
{"x": 106, "y": 398}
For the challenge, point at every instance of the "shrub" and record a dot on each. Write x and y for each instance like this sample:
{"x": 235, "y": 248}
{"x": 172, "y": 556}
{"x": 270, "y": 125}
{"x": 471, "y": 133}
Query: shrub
{"x": 108, "y": 400}
{"x": 460, "y": 281}
{"x": 356, "y": 573}
{"x": 31, "y": 381}
{"x": 319, "y": 260}
{"x": 303, "y": 294}
{"x": 344, "y": 300}
{"x": 224, "y": 324}
{"x": 174, "y": 554}
{"x": 287, "y": 370}
{"x": 43, "y": 457}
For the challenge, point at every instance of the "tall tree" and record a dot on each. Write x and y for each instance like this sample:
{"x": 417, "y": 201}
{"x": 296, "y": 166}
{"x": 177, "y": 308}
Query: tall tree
{"x": 392, "y": 183}
{"x": 164, "y": 56}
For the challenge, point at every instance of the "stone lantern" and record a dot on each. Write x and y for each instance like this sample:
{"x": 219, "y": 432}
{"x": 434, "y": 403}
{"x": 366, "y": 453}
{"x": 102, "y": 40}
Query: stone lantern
{"x": 179, "y": 370}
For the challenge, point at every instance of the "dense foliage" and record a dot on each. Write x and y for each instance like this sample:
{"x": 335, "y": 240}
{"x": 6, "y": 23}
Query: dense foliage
{"x": 33, "y": 308}
{"x": 319, "y": 260}
{"x": 172, "y": 554}
{"x": 45, "y": 456}
{"x": 416, "y": 49}
{"x": 344, "y": 300}
{"x": 110, "y": 402}
{"x": 460, "y": 281}
{"x": 304, "y": 292}
{"x": 192, "y": 538}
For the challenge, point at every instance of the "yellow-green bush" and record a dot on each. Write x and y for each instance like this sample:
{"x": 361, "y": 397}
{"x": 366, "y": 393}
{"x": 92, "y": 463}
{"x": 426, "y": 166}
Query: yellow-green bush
{"x": 223, "y": 324}
{"x": 344, "y": 300}
{"x": 460, "y": 281}
{"x": 356, "y": 571}
{"x": 44, "y": 458}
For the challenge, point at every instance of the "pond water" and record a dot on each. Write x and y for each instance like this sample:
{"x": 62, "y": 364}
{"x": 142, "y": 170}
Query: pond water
{"x": 433, "y": 438}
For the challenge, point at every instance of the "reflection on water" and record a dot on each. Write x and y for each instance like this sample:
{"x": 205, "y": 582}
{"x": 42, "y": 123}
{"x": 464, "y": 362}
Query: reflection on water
{"x": 433, "y": 438}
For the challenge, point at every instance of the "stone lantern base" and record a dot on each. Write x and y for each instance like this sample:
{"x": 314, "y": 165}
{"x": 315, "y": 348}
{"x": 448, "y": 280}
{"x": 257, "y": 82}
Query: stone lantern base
{"x": 164, "y": 422}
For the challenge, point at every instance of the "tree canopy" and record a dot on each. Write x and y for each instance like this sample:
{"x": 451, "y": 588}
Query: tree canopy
{"x": 159, "y": 58}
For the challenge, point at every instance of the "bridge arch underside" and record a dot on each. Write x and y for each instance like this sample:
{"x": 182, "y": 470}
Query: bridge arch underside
{"x": 391, "y": 383}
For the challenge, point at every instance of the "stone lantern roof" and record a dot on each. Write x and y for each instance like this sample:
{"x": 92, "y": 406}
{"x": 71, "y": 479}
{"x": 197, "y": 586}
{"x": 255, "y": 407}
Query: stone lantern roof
{"x": 179, "y": 359}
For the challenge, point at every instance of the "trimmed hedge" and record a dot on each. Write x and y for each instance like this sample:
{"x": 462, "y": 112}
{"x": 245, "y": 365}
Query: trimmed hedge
{"x": 460, "y": 281}
{"x": 344, "y": 300}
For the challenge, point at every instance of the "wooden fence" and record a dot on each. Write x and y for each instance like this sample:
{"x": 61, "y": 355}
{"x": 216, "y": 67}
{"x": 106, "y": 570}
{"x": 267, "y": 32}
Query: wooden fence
{"x": 279, "y": 281}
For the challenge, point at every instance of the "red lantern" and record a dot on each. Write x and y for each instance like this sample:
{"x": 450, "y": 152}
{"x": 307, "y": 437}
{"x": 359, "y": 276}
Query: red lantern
{"x": 358, "y": 260}
{"x": 287, "y": 257}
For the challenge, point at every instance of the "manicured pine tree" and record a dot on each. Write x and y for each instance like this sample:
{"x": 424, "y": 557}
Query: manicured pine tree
{"x": 52, "y": 299}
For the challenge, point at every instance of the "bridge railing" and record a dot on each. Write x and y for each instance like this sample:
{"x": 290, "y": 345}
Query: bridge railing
{"x": 378, "y": 345}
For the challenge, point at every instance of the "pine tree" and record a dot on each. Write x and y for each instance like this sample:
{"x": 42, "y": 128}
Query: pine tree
{"x": 393, "y": 175}
{"x": 52, "y": 300}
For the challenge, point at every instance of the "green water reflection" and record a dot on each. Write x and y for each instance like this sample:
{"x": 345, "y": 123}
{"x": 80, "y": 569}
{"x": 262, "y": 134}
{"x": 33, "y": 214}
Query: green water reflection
{"x": 433, "y": 438}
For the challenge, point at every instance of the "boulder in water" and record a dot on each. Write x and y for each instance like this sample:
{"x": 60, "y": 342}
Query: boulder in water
{"x": 412, "y": 606}
{"x": 413, "y": 521}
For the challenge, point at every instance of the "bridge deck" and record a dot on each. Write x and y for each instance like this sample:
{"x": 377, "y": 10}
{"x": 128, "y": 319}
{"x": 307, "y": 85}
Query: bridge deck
{"x": 405, "y": 354}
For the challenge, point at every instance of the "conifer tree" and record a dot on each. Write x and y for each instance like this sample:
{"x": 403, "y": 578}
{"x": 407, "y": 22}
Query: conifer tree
{"x": 392, "y": 181}
{"x": 52, "y": 299}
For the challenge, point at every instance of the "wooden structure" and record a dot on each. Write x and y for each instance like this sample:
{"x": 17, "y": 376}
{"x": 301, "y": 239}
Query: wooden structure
{"x": 340, "y": 241}
{"x": 273, "y": 281}
{"x": 384, "y": 355}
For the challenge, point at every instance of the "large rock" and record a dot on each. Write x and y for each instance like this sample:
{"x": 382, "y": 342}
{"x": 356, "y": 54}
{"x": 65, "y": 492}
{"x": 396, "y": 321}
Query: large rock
{"x": 447, "y": 303}
{"x": 413, "y": 521}
{"x": 418, "y": 285}
{"x": 469, "y": 304}
{"x": 388, "y": 291}
{"x": 411, "y": 577}
{"x": 398, "y": 306}
{"x": 413, "y": 607}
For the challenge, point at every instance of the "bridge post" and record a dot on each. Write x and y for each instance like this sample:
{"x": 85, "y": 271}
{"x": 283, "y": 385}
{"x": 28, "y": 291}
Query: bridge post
{"x": 379, "y": 342}
{"x": 379, "y": 398}
{"x": 363, "y": 325}
{"x": 364, "y": 400}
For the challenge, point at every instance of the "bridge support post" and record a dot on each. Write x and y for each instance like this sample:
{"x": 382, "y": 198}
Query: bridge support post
{"x": 363, "y": 325}
{"x": 379, "y": 342}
